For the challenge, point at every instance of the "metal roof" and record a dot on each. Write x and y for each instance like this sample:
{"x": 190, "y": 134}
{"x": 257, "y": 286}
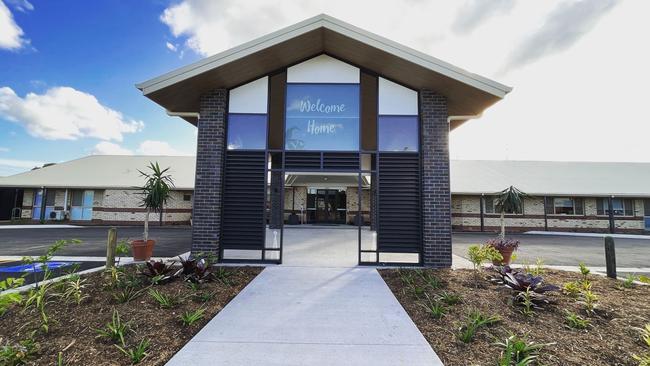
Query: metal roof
{"x": 180, "y": 90}
{"x": 467, "y": 176}
{"x": 104, "y": 171}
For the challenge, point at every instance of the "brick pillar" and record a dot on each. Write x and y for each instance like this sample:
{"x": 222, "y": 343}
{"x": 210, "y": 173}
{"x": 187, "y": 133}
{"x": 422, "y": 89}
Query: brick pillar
{"x": 277, "y": 214}
{"x": 373, "y": 203}
{"x": 208, "y": 183}
{"x": 436, "y": 196}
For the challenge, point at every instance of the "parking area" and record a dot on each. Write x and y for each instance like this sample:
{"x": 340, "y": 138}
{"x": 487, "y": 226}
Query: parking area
{"x": 174, "y": 240}
{"x": 170, "y": 240}
{"x": 565, "y": 250}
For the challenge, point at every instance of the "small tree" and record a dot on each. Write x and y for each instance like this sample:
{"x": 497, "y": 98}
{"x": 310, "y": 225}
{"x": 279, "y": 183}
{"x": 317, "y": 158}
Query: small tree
{"x": 155, "y": 192}
{"x": 509, "y": 200}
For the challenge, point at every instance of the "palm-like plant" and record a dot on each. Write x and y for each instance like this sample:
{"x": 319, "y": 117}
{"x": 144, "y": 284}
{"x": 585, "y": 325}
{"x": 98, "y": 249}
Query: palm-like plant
{"x": 155, "y": 192}
{"x": 509, "y": 200}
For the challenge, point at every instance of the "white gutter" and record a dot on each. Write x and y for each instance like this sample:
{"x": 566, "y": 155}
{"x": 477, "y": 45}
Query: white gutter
{"x": 183, "y": 114}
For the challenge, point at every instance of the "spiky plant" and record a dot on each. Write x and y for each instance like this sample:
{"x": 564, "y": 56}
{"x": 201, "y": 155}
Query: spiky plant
{"x": 509, "y": 200}
{"x": 155, "y": 192}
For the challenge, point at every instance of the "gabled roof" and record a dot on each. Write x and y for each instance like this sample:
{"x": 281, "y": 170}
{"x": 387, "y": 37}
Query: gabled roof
{"x": 536, "y": 178}
{"x": 104, "y": 171}
{"x": 179, "y": 90}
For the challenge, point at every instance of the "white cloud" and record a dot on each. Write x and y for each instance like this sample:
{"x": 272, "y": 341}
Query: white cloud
{"x": 153, "y": 147}
{"x": 4, "y": 149}
{"x": 580, "y": 91}
{"x": 63, "y": 113}
{"x": 11, "y": 35}
{"x": 563, "y": 27}
{"x": 15, "y": 166}
{"x": 170, "y": 46}
{"x": 474, "y": 12}
{"x": 21, "y": 5}
{"x": 110, "y": 148}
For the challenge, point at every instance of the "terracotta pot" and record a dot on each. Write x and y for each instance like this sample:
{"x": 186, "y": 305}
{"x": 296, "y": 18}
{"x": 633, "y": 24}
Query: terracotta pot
{"x": 142, "y": 250}
{"x": 506, "y": 253}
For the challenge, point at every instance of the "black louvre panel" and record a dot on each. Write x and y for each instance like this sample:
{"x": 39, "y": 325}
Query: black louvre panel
{"x": 243, "y": 200}
{"x": 341, "y": 161}
{"x": 302, "y": 160}
{"x": 400, "y": 224}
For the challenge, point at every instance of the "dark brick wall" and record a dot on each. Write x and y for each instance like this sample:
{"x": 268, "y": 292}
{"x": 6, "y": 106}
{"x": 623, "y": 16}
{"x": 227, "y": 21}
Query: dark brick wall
{"x": 211, "y": 142}
{"x": 436, "y": 196}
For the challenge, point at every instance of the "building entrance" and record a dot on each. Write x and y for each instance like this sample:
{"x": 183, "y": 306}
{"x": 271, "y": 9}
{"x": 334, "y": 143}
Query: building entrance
{"x": 330, "y": 206}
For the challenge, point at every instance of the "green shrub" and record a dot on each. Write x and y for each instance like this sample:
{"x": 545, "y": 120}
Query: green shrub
{"x": 18, "y": 354}
{"x": 475, "y": 320}
{"x": 190, "y": 317}
{"x": 479, "y": 254}
{"x": 115, "y": 330}
{"x": 575, "y": 321}
{"x": 137, "y": 353}
{"x": 516, "y": 351}
{"x": 433, "y": 307}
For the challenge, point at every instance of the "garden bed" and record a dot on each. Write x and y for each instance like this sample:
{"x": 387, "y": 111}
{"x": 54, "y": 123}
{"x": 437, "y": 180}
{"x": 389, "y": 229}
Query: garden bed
{"x": 612, "y": 338}
{"x": 73, "y": 329}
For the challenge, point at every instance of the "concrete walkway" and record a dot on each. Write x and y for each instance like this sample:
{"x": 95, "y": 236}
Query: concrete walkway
{"x": 311, "y": 316}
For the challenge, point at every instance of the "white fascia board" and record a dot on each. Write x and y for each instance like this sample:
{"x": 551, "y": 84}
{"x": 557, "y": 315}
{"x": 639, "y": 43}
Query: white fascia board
{"x": 335, "y": 25}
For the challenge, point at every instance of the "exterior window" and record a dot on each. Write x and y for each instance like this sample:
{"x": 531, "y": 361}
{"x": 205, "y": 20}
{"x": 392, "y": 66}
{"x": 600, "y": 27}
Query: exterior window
{"x": 82, "y": 205}
{"x": 246, "y": 131}
{"x": 565, "y": 206}
{"x": 187, "y": 197}
{"x": 322, "y": 117}
{"x": 398, "y": 133}
{"x": 491, "y": 206}
{"x": 620, "y": 206}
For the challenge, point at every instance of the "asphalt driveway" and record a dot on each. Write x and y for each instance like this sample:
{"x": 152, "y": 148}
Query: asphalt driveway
{"x": 174, "y": 240}
{"x": 565, "y": 250}
{"x": 170, "y": 240}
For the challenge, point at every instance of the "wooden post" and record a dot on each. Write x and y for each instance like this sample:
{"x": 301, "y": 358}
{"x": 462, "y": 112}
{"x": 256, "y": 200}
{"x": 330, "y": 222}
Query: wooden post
{"x": 111, "y": 247}
{"x": 610, "y": 257}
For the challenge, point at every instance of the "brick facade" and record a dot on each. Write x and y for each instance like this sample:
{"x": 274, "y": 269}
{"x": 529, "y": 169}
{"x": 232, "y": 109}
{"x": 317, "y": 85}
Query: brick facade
{"x": 436, "y": 196}
{"x": 466, "y": 216}
{"x": 211, "y": 142}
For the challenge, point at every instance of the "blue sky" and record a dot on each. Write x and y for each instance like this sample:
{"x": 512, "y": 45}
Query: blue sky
{"x": 97, "y": 47}
{"x": 578, "y": 68}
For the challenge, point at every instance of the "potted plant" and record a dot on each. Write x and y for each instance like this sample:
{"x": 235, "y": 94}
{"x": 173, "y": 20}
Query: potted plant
{"x": 509, "y": 200}
{"x": 155, "y": 193}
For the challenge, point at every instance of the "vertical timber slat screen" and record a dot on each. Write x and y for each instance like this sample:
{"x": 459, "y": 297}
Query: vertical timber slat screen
{"x": 400, "y": 224}
{"x": 243, "y": 200}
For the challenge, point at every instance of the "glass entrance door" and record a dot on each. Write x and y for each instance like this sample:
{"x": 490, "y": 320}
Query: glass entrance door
{"x": 330, "y": 206}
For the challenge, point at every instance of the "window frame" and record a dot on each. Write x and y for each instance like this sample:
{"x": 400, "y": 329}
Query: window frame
{"x": 493, "y": 206}
{"x": 623, "y": 200}
{"x": 575, "y": 206}
{"x": 359, "y": 115}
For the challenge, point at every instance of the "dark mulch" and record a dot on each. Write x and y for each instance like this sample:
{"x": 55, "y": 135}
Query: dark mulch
{"x": 74, "y": 326}
{"x": 611, "y": 340}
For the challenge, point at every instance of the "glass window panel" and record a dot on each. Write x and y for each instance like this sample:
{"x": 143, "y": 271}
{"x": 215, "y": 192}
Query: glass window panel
{"x": 36, "y": 213}
{"x": 564, "y": 206}
{"x": 77, "y": 198}
{"x": 246, "y": 131}
{"x": 88, "y": 198}
{"x": 322, "y": 117}
{"x": 398, "y": 133}
{"x": 50, "y": 197}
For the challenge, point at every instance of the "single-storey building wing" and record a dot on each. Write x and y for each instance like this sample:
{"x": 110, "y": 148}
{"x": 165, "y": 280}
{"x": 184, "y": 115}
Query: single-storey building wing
{"x": 317, "y": 99}
{"x": 562, "y": 196}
